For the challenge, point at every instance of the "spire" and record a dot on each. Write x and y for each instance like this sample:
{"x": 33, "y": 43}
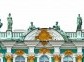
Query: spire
{"x": 10, "y": 22}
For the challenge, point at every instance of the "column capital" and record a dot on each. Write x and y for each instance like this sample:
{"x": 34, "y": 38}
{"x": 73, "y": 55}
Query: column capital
{"x": 8, "y": 56}
{"x": 31, "y": 58}
{"x": 79, "y": 58}
{"x": 57, "y": 58}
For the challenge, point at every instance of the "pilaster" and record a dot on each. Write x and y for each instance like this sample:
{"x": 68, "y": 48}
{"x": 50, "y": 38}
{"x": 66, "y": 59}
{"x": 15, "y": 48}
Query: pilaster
{"x": 31, "y": 50}
{"x": 56, "y": 50}
{"x": 78, "y": 34}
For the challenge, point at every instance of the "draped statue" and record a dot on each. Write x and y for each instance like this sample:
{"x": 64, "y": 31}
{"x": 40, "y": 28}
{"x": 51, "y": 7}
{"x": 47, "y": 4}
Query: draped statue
{"x": 1, "y": 24}
{"x": 10, "y": 22}
{"x": 56, "y": 27}
{"x": 79, "y": 22}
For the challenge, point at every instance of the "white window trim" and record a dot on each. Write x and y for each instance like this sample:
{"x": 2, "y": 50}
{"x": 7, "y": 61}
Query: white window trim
{"x": 1, "y": 57}
{"x": 39, "y": 55}
{"x": 15, "y": 55}
{"x": 73, "y": 56}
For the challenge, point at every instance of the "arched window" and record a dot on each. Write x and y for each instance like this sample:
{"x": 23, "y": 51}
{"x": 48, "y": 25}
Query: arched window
{"x": 19, "y": 59}
{"x": 44, "y": 58}
{"x": 68, "y": 59}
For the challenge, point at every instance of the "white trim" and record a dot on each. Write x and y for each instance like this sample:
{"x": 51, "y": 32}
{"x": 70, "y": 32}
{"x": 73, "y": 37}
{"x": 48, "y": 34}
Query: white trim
{"x": 1, "y": 57}
{"x": 24, "y": 55}
{"x": 57, "y": 50}
{"x": 39, "y": 55}
{"x": 8, "y": 49}
{"x": 73, "y": 56}
{"x": 79, "y": 50}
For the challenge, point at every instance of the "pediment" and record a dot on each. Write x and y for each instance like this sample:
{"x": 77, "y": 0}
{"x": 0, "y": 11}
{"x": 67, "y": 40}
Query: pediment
{"x": 54, "y": 34}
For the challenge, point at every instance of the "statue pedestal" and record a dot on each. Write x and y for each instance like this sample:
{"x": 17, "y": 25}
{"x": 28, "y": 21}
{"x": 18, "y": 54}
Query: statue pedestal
{"x": 79, "y": 32}
{"x": 9, "y": 34}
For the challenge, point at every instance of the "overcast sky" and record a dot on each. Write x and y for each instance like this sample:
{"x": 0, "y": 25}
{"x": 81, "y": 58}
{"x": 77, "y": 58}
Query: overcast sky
{"x": 44, "y": 13}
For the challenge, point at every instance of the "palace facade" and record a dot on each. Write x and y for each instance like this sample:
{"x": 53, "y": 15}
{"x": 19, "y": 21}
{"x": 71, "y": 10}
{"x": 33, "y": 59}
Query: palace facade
{"x": 41, "y": 44}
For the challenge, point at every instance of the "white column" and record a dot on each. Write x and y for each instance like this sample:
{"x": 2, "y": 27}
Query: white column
{"x": 31, "y": 49}
{"x": 62, "y": 57}
{"x": 79, "y": 34}
{"x": 1, "y": 57}
{"x": 74, "y": 58}
{"x": 79, "y": 50}
{"x": 25, "y": 56}
{"x": 8, "y": 49}
{"x": 56, "y": 50}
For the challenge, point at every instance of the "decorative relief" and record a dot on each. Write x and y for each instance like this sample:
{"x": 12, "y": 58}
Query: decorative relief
{"x": 44, "y": 36}
{"x": 68, "y": 52}
{"x": 79, "y": 58}
{"x": 44, "y": 50}
{"x": 57, "y": 58}
{"x": 9, "y": 57}
{"x": 19, "y": 52}
{"x": 31, "y": 58}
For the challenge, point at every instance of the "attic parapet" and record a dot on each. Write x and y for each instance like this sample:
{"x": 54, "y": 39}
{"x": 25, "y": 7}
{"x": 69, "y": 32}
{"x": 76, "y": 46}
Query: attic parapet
{"x": 8, "y": 35}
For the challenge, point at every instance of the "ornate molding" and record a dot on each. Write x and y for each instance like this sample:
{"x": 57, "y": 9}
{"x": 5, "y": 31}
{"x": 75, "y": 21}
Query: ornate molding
{"x": 57, "y": 58}
{"x": 9, "y": 57}
{"x": 19, "y": 52}
{"x": 31, "y": 58}
{"x": 44, "y": 36}
{"x": 44, "y": 50}
{"x": 68, "y": 52}
{"x": 79, "y": 58}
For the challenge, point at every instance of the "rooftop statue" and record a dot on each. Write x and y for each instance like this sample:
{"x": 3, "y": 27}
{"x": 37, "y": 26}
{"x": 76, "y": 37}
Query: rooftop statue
{"x": 79, "y": 22}
{"x": 1, "y": 24}
{"x": 56, "y": 27}
{"x": 32, "y": 27}
{"x": 10, "y": 22}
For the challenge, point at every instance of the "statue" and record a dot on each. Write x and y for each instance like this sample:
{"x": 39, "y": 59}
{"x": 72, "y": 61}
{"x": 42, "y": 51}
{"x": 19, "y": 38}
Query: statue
{"x": 79, "y": 22}
{"x": 10, "y": 22}
{"x": 56, "y": 27}
{"x": 32, "y": 27}
{"x": 1, "y": 24}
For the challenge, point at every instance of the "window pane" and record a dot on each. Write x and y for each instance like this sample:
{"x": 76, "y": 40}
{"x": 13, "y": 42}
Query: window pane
{"x": 68, "y": 59}
{"x": 19, "y": 59}
{"x": 44, "y": 58}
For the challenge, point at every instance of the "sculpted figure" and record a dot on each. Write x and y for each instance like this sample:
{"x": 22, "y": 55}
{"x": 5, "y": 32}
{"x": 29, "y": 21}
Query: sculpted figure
{"x": 79, "y": 22}
{"x": 10, "y": 22}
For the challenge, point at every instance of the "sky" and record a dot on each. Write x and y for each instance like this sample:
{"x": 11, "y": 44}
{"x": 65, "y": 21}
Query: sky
{"x": 44, "y": 13}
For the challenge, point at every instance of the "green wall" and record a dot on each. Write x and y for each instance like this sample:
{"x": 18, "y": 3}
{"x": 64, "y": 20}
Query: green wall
{"x": 14, "y": 50}
{"x": 36, "y": 51}
{"x": 63, "y": 50}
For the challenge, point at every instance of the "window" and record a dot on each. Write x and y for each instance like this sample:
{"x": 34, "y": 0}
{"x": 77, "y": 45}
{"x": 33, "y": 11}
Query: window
{"x": 68, "y": 59}
{"x": 44, "y": 58}
{"x": 19, "y": 59}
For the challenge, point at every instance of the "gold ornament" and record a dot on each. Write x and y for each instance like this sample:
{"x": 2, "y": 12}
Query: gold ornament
{"x": 68, "y": 52}
{"x": 19, "y": 52}
{"x": 44, "y": 36}
{"x": 57, "y": 58}
{"x": 44, "y": 50}
{"x": 9, "y": 57}
{"x": 79, "y": 58}
{"x": 31, "y": 58}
